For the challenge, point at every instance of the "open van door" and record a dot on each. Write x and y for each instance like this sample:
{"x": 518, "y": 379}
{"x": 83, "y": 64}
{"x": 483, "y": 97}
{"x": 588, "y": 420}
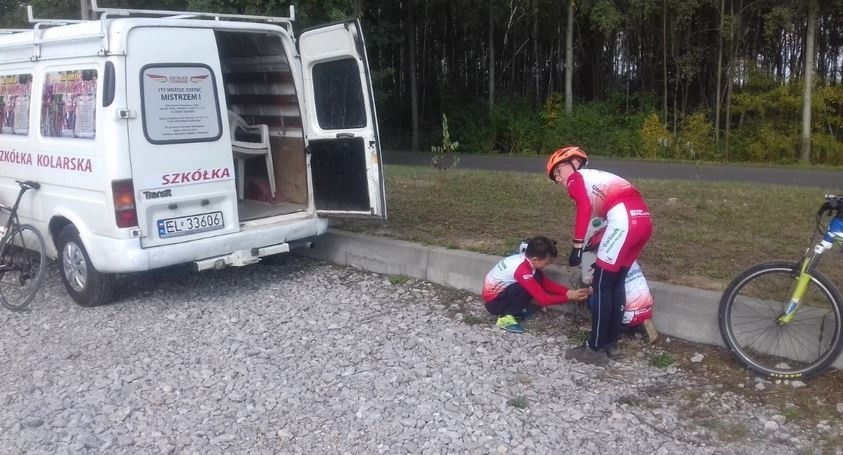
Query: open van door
{"x": 341, "y": 123}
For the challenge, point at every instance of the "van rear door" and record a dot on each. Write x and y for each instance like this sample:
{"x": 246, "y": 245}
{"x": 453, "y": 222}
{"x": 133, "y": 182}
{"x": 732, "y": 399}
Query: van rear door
{"x": 341, "y": 122}
{"x": 182, "y": 162}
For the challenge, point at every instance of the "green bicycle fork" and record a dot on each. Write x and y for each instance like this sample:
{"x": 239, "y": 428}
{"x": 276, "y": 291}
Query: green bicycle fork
{"x": 801, "y": 286}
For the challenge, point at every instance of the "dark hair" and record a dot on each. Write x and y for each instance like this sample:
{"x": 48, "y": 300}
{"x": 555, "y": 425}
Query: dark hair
{"x": 541, "y": 247}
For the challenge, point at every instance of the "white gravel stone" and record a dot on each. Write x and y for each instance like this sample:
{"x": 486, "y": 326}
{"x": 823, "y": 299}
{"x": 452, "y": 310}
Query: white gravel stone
{"x": 771, "y": 425}
{"x": 697, "y": 357}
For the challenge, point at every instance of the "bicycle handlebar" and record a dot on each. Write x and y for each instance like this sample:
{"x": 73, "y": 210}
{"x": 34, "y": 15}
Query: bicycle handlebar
{"x": 833, "y": 203}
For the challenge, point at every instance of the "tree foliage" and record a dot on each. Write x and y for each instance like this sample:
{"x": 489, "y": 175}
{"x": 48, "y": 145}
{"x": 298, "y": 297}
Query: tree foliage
{"x": 632, "y": 58}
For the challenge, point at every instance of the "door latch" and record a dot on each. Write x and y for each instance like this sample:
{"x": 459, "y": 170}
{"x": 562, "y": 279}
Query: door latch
{"x": 126, "y": 113}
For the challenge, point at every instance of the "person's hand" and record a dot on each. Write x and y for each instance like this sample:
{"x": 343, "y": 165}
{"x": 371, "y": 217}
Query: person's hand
{"x": 578, "y": 294}
{"x": 575, "y": 258}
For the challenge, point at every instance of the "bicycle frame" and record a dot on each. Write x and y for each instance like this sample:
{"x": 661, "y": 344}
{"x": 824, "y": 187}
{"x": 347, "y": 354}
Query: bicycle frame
{"x": 12, "y": 221}
{"x": 809, "y": 264}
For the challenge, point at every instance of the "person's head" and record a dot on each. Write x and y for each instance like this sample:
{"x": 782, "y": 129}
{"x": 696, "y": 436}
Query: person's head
{"x": 541, "y": 251}
{"x": 564, "y": 162}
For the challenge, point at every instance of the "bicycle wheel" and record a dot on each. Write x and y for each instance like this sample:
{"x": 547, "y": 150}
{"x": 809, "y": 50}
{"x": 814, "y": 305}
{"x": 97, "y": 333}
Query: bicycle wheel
{"x": 800, "y": 349}
{"x": 23, "y": 263}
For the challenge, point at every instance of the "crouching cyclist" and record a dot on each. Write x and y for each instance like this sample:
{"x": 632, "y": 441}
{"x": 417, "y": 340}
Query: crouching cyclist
{"x": 516, "y": 280}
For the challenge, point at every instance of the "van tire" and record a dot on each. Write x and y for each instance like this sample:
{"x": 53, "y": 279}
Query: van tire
{"x": 87, "y": 286}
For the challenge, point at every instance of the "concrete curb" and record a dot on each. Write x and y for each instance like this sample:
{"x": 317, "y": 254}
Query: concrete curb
{"x": 681, "y": 312}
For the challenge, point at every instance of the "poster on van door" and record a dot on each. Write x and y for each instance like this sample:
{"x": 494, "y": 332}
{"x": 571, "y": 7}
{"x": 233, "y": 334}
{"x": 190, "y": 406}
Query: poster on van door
{"x": 180, "y": 104}
{"x": 15, "y": 90}
{"x": 68, "y": 104}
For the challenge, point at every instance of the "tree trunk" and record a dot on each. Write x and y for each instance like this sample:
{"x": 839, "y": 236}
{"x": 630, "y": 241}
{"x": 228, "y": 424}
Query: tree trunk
{"x": 664, "y": 61}
{"x": 569, "y": 59}
{"x": 491, "y": 53}
{"x": 85, "y": 12}
{"x": 535, "y": 38}
{"x": 719, "y": 73}
{"x": 730, "y": 74}
{"x": 809, "y": 72}
{"x": 414, "y": 102}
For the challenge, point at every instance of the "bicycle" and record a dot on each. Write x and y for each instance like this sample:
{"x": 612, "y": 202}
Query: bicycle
{"x": 22, "y": 257}
{"x": 783, "y": 319}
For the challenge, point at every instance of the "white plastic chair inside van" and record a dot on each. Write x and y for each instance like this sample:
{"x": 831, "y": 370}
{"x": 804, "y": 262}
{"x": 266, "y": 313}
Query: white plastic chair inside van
{"x": 244, "y": 150}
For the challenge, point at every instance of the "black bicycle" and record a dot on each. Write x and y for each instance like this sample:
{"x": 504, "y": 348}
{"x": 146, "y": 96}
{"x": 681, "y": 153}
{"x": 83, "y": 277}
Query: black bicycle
{"x": 22, "y": 257}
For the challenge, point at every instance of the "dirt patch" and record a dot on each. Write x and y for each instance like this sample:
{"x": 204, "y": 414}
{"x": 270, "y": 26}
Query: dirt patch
{"x": 810, "y": 406}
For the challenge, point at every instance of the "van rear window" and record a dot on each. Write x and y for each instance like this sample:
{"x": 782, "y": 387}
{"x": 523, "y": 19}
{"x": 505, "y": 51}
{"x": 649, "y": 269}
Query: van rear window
{"x": 180, "y": 104}
{"x": 68, "y": 104}
{"x": 15, "y": 90}
{"x": 339, "y": 95}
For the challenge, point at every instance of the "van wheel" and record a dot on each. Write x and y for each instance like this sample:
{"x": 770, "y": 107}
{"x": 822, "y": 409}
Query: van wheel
{"x": 87, "y": 286}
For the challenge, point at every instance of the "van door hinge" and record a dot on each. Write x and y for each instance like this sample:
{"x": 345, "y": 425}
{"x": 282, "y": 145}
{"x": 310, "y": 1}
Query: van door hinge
{"x": 126, "y": 113}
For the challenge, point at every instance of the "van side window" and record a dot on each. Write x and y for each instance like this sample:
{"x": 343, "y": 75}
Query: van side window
{"x": 15, "y": 91}
{"x": 68, "y": 104}
{"x": 339, "y": 94}
{"x": 179, "y": 104}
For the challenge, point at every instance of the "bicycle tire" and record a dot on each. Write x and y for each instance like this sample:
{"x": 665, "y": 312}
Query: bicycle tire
{"x": 747, "y": 319}
{"x": 25, "y": 252}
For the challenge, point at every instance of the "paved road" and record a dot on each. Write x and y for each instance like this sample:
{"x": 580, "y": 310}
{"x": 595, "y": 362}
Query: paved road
{"x": 635, "y": 169}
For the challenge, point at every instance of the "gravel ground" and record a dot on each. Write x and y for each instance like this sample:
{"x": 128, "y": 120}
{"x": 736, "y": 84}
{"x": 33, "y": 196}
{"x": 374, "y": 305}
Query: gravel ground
{"x": 307, "y": 357}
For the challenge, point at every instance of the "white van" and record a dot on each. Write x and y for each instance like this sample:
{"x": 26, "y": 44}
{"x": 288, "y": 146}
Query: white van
{"x": 163, "y": 138}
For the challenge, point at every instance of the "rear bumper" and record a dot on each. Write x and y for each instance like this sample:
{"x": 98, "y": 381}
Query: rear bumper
{"x": 110, "y": 255}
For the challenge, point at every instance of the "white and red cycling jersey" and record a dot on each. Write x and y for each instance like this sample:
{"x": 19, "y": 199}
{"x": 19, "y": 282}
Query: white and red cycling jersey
{"x": 518, "y": 269}
{"x": 606, "y": 196}
{"x": 595, "y": 192}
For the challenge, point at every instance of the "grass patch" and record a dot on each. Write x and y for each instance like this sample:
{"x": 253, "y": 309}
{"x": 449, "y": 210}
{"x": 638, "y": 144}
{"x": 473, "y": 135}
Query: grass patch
{"x": 579, "y": 338}
{"x": 398, "y": 280}
{"x": 705, "y": 234}
{"x": 793, "y": 414}
{"x": 662, "y": 360}
{"x": 518, "y": 402}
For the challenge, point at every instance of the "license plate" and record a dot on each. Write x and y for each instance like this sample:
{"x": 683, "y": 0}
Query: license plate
{"x": 183, "y": 225}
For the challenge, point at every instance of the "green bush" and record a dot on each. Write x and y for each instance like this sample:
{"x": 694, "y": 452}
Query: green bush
{"x": 655, "y": 138}
{"x": 696, "y": 138}
{"x": 772, "y": 145}
{"x": 470, "y": 125}
{"x": 765, "y": 127}
{"x": 826, "y": 149}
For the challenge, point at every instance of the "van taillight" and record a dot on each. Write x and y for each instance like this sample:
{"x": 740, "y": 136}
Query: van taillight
{"x": 124, "y": 203}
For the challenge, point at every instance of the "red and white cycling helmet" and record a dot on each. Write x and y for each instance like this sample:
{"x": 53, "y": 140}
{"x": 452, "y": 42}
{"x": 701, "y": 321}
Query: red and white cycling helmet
{"x": 564, "y": 155}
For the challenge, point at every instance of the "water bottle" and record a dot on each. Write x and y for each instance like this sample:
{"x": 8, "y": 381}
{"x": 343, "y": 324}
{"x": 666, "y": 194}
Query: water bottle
{"x": 835, "y": 232}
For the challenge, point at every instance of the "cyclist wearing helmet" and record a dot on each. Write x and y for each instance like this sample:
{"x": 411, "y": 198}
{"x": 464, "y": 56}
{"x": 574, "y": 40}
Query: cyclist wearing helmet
{"x": 609, "y": 197}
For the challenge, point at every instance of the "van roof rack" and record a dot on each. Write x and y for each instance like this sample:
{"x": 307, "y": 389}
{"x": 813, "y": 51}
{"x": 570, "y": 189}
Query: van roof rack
{"x": 287, "y": 21}
{"x": 9, "y": 31}
{"x": 49, "y": 22}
